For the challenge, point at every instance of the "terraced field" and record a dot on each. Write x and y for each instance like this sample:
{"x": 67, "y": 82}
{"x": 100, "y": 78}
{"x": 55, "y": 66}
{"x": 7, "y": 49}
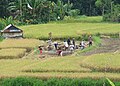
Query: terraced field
{"x": 91, "y": 64}
{"x": 94, "y": 66}
{"x": 12, "y": 53}
{"x": 107, "y": 62}
{"x": 65, "y": 30}
{"x": 17, "y": 48}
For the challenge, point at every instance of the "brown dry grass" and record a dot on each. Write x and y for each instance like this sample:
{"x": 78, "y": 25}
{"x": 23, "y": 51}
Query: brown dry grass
{"x": 20, "y": 43}
{"x": 16, "y": 48}
{"x": 12, "y": 53}
{"x": 14, "y": 68}
{"x": 108, "y": 62}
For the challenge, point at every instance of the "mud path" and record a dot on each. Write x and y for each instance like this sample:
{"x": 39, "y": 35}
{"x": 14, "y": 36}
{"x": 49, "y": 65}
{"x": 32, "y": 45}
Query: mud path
{"x": 107, "y": 46}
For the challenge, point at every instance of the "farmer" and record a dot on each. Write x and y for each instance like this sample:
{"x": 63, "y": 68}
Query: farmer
{"x": 56, "y": 45}
{"x": 82, "y": 45}
{"x": 90, "y": 40}
{"x": 71, "y": 47}
{"x": 50, "y": 35}
{"x": 65, "y": 44}
{"x": 40, "y": 49}
{"x": 68, "y": 41}
{"x": 59, "y": 51}
{"x": 73, "y": 42}
{"x": 49, "y": 42}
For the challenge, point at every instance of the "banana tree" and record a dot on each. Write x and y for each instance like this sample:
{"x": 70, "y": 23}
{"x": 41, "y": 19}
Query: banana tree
{"x": 63, "y": 9}
{"x": 16, "y": 8}
{"x": 39, "y": 9}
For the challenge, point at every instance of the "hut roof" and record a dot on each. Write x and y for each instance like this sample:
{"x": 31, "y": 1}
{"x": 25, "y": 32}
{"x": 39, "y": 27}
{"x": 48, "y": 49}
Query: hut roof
{"x": 11, "y": 28}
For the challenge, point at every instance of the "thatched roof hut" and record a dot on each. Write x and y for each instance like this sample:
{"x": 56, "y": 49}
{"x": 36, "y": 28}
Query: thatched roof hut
{"x": 11, "y": 31}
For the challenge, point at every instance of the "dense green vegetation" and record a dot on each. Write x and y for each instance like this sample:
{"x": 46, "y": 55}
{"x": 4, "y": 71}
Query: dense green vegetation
{"x": 27, "y": 81}
{"x": 43, "y": 11}
{"x": 39, "y": 11}
{"x": 80, "y": 19}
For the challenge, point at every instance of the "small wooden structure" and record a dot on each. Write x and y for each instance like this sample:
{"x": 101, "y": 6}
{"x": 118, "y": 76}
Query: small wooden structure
{"x": 11, "y": 31}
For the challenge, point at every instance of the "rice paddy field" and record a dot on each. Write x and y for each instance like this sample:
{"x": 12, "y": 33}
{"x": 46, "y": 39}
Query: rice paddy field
{"x": 20, "y": 43}
{"x": 94, "y": 66}
{"x": 12, "y": 53}
{"x": 74, "y": 66}
{"x": 17, "y": 48}
{"x": 52, "y": 67}
{"x": 108, "y": 62}
{"x": 65, "y": 30}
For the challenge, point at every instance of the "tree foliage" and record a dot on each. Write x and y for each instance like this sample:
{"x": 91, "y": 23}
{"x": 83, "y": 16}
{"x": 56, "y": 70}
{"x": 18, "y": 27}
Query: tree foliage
{"x": 42, "y": 11}
{"x": 39, "y": 11}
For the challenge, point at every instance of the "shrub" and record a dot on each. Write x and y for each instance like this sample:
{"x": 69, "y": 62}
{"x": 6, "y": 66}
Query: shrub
{"x": 7, "y": 21}
{"x": 1, "y": 25}
{"x": 22, "y": 81}
{"x": 74, "y": 13}
{"x": 27, "y": 81}
{"x": 75, "y": 82}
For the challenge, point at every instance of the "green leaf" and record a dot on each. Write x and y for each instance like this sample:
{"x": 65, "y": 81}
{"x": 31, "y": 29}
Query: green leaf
{"x": 111, "y": 83}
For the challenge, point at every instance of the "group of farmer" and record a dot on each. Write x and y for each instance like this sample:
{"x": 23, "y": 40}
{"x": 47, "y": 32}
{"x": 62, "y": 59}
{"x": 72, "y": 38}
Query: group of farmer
{"x": 66, "y": 45}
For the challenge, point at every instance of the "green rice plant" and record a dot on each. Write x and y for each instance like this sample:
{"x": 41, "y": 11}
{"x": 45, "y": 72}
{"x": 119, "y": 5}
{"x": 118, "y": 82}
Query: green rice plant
{"x": 111, "y": 83}
{"x": 65, "y": 30}
{"x": 12, "y": 53}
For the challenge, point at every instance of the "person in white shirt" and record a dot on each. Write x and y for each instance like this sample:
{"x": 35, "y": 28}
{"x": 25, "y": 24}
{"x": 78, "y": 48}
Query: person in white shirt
{"x": 49, "y": 42}
{"x": 82, "y": 44}
{"x": 66, "y": 45}
{"x": 71, "y": 47}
